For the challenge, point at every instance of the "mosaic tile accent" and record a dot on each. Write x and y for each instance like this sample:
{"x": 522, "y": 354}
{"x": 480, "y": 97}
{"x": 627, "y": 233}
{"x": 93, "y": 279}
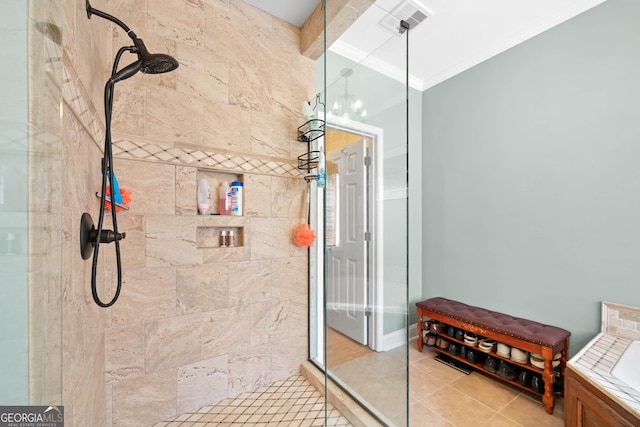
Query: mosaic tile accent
{"x": 284, "y": 403}
{"x": 127, "y": 149}
{"x": 621, "y": 320}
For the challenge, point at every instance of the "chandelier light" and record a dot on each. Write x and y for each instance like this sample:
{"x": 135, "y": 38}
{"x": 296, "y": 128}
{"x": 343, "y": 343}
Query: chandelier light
{"x": 347, "y": 106}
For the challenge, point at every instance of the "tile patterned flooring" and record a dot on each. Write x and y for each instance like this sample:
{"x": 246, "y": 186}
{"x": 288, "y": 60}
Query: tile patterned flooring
{"x": 448, "y": 397}
{"x": 439, "y": 396}
{"x": 291, "y": 402}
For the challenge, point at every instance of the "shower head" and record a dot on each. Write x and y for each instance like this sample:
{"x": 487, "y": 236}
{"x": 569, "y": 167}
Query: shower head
{"x": 154, "y": 63}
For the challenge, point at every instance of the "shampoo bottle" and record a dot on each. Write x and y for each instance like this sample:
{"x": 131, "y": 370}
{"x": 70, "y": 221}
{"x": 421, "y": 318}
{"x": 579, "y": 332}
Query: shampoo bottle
{"x": 225, "y": 199}
{"x": 203, "y": 196}
{"x": 236, "y": 198}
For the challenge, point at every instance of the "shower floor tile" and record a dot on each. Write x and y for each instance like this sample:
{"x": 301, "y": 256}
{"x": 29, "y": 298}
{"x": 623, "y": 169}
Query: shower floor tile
{"x": 291, "y": 402}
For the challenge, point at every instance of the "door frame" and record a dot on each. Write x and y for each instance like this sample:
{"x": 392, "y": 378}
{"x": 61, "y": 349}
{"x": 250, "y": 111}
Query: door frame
{"x": 375, "y": 250}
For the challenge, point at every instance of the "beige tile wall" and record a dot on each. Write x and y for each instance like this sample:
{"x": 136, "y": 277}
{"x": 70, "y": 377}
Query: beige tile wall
{"x": 194, "y": 323}
{"x": 621, "y": 320}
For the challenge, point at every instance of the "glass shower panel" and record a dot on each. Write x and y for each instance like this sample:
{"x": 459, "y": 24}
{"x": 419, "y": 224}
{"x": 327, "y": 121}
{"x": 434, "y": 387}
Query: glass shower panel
{"x": 13, "y": 206}
{"x": 30, "y": 208}
{"x": 45, "y": 201}
{"x": 361, "y": 204}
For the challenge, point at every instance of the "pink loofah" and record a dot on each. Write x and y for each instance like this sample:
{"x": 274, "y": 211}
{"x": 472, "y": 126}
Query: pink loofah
{"x": 304, "y": 236}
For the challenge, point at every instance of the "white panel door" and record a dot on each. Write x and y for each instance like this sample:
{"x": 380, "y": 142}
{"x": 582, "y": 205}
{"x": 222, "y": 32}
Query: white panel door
{"x": 347, "y": 260}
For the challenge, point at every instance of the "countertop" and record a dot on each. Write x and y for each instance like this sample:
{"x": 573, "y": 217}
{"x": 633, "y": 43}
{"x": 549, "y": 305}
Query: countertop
{"x": 620, "y": 326}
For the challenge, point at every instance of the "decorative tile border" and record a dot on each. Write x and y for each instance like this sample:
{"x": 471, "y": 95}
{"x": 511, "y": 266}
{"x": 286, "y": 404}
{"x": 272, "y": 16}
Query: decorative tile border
{"x": 76, "y": 98}
{"x": 127, "y": 149}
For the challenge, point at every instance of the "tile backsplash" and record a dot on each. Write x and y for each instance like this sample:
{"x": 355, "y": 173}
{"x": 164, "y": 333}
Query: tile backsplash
{"x": 621, "y": 320}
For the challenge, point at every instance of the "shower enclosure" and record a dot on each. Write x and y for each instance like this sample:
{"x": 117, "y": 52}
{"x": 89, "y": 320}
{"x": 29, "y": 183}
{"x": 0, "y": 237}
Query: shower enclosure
{"x": 359, "y": 264}
{"x": 30, "y": 204}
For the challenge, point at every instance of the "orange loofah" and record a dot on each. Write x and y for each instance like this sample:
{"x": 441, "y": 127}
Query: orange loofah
{"x": 126, "y": 199}
{"x": 304, "y": 236}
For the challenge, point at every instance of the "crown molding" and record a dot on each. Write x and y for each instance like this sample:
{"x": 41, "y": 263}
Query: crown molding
{"x": 341, "y": 48}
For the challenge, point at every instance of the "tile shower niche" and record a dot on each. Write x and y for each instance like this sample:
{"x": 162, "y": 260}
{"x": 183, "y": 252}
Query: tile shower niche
{"x": 213, "y": 224}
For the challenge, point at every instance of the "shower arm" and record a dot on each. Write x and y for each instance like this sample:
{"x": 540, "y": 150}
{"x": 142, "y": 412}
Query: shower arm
{"x": 92, "y": 11}
{"x": 132, "y": 68}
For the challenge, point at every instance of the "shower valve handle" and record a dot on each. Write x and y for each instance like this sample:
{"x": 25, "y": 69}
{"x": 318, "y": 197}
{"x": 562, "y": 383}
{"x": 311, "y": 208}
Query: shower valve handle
{"x": 108, "y": 236}
{"x": 89, "y": 236}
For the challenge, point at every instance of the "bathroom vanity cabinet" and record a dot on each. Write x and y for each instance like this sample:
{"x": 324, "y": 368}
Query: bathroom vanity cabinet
{"x": 585, "y": 405}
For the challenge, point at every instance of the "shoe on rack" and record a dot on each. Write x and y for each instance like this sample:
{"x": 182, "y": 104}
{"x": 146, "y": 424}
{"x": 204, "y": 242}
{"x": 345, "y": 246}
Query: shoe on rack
{"x": 430, "y": 339}
{"x": 470, "y": 339}
{"x": 491, "y": 364}
{"x": 558, "y": 386}
{"x": 439, "y": 328}
{"x": 503, "y": 350}
{"x": 454, "y": 349}
{"x": 506, "y": 371}
{"x": 524, "y": 378}
{"x": 442, "y": 343}
{"x": 537, "y": 384}
{"x": 474, "y": 356}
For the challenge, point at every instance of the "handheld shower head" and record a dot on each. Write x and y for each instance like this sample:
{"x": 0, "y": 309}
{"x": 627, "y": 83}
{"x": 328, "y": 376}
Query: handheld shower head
{"x": 154, "y": 63}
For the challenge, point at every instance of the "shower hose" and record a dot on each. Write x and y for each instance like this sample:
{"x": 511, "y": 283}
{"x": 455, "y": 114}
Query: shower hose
{"x": 107, "y": 169}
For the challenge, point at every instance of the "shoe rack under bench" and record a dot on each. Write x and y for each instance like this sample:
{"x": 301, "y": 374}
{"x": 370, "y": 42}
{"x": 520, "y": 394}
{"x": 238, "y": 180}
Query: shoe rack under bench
{"x": 548, "y": 397}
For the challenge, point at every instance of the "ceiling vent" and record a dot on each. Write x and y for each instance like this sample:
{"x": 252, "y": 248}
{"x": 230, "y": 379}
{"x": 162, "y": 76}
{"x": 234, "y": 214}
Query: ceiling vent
{"x": 408, "y": 10}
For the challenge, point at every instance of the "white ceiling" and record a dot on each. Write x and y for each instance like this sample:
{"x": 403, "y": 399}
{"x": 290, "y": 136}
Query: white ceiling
{"x": 458, "y": 35}
{"x": 292, "y": 11}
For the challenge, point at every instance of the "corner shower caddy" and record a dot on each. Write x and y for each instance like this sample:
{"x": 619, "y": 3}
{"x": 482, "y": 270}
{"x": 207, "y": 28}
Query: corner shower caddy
{"x": 308, "y": 132}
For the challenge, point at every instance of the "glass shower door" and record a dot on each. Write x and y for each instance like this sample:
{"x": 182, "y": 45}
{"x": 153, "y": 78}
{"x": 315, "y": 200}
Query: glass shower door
{"x": 30, "y": 204}
{"x": 359, "y": 267}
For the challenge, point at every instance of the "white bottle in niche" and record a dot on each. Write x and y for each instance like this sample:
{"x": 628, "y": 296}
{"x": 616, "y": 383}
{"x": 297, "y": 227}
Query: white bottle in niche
{"x": 236, "y": 198}
{"x": 203, "y": 197}
{"x": 225, "y": 199}
{"x": 231, "y": 239}
{"x": 223, "y": 239}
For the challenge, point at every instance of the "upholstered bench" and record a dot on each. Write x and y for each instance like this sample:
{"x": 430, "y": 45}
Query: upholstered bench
{"x": 527, "y": 335}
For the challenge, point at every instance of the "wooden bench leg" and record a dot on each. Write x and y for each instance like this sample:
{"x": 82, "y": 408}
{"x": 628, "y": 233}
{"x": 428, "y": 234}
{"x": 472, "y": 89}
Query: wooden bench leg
{"x": 563, "y": 362}
{"x": 547, "y": 376}
{"x": 419, "y": 329}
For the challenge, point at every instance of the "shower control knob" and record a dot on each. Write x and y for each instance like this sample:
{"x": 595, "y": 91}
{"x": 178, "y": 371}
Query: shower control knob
{"x": 108, "y": 236}
{"x": 89, "y": 236}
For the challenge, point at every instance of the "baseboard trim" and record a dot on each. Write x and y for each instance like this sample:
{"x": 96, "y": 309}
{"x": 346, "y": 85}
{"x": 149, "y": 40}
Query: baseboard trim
{"x": 397, "y": 338}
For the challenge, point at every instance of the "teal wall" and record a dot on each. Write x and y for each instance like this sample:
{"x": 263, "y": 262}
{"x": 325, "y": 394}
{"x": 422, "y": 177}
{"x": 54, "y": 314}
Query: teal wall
{"x": 531, "y": 178}
{"x": 13, "y": 204}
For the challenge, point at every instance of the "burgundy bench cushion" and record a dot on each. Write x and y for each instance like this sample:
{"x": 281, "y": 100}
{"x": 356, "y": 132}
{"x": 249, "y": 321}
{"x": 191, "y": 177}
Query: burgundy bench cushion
{"x": 526, "y": 330}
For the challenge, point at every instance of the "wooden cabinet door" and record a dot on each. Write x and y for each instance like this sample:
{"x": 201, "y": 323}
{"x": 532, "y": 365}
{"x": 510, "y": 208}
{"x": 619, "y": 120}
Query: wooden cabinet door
{"x": 584, "y": 409}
